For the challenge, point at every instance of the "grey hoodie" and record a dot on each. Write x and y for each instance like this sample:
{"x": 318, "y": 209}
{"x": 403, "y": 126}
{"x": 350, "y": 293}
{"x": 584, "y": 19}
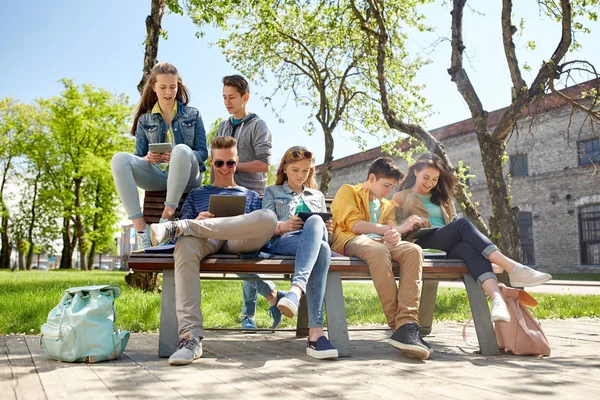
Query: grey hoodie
{"x": 253, "y": 143}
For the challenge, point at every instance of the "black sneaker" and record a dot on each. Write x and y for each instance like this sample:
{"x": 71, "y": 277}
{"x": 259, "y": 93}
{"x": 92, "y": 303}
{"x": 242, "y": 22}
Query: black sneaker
{"x": 429, "y": 347}
{"x": 407, "y": 340}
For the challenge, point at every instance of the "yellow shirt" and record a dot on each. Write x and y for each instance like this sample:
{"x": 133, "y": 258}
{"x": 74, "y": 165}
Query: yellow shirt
{"x": 169, "y": 137}
{"x": 350, "y": 205}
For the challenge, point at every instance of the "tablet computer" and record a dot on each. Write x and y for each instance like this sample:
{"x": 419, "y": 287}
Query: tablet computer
{"x": 420, "y": 233}
{"x": 160, "y": 147}
{"x": 227, "y": 206}
{"x": 304, "y": 215}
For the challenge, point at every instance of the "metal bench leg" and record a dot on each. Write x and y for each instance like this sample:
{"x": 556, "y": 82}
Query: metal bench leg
{"x": 427, "y": 306}
{"x": 337, "y": 325}
{"x": 167, "y": 335}
{"x": 482, "y": 318}
{"x": 302, "y": 321}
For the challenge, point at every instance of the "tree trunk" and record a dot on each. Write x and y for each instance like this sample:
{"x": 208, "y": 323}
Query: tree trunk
{"x": 504, "y": 222}
{"x": 66, "y": 259}
{"x": 326, "y": 174}
{"x": 153, "y": 28}
{"x": 33, "y": 221}
{"x": 90, "y": 256}
{"x": 6, "y": 243}
{"x": 79, "y": 229}
{"x": 20, "y": 255}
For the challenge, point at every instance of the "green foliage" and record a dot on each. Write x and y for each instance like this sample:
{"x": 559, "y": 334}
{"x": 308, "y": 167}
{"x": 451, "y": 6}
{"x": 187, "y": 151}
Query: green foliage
{"x": 315, "y": 53}
{"x": 64, "y": 146}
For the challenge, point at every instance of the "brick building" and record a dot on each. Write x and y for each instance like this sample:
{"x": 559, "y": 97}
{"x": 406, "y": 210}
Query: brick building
{"x": 552, "y": 153}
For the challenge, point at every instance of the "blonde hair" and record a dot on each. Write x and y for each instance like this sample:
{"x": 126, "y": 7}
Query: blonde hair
{"x": 281, "y": 177}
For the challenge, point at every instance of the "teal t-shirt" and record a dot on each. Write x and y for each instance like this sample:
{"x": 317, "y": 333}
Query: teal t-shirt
{"x": 435, "y": 212}
{"x": 375, "y": 211}
{"x": 301, "y": 207}
{"x": 236, "y": 121}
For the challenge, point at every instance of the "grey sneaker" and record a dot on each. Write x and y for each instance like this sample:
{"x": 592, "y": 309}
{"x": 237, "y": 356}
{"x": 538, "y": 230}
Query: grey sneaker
{"x": 142, "y": 239}
{"x": 407, "y": 340}
{"x": 187, "y": 351}
{"x": 528, "y": 277}
{"x": 161, "y": 234}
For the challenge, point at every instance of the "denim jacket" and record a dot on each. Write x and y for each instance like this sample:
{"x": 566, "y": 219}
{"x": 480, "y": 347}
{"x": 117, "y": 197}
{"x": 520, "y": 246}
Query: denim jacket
{"x": 283, "y": 200}
{"x": 187, "y": 128}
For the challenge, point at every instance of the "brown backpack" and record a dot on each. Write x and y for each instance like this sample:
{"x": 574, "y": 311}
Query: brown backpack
{"x": 523, "y": 335}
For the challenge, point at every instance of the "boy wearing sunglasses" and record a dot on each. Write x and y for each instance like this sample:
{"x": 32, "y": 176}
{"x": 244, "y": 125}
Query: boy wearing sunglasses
{"x": 200, "y": 235}
{"x": 254, "y": 149}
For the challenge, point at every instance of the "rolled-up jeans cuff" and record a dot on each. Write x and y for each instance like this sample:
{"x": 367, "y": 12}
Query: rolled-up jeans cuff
{"x": 171, "y": 205}
{"x": 138, "y": 215}
{"x": 485, "y": 276}
{"x": 489, "y": 250}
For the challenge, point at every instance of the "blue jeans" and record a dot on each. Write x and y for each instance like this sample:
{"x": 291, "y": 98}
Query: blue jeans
{"x": 460, "y": 239}
{"x": 130, "y": 172}
{"x": 250, "y": 290}
{"x": 313, "y": 257}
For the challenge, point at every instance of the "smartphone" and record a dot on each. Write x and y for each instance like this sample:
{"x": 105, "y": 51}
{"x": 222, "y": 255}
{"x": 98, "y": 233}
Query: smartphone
{"x": 160, "y": 147}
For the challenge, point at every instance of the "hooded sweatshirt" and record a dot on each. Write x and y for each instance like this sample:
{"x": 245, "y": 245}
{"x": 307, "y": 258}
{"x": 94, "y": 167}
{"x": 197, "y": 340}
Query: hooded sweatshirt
{"x": 253, "y": 143}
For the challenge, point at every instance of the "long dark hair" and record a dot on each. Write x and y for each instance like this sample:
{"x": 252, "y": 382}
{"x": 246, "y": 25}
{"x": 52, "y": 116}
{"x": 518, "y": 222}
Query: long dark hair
{"x": 149, "y": 97}
{"x": 443, "y": 191}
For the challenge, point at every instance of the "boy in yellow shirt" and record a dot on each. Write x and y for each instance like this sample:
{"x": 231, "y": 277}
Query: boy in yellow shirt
{"x": 364, "y": 226}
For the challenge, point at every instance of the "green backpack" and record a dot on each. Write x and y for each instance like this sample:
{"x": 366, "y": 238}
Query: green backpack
{"x": 82, "y": 326}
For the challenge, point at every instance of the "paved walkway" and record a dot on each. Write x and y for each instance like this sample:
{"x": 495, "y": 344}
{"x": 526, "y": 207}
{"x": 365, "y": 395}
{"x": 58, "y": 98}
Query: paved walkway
{"x": 272, "y": 366}
{"x": 557, "y": 287}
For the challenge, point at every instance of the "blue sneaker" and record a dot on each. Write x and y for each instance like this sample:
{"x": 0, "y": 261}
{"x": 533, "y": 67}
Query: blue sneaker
{"x": 274, "y": 312}
{"x": 321, "y": 349}
{"x": 248, "y": 323}
{"x": 288, "y": 305}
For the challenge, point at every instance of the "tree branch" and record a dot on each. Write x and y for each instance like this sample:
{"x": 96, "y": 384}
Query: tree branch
{"x": 508, "y": 30}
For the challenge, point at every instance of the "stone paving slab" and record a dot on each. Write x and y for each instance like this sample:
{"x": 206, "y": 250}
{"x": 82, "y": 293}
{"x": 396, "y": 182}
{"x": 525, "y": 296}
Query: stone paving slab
{"x": 265, "y": 365}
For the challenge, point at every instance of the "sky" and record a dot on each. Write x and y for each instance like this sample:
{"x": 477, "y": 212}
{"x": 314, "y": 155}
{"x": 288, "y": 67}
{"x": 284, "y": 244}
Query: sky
{"x": 102, "y": 43}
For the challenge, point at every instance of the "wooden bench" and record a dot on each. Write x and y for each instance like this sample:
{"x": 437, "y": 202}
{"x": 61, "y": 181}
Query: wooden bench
{"x": 342, "y": 268}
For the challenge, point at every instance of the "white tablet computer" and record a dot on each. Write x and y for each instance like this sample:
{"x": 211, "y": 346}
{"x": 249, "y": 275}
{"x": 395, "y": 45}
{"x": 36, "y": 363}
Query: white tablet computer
{"x": 160, "y": 147}
{"x": 227, "y": 206}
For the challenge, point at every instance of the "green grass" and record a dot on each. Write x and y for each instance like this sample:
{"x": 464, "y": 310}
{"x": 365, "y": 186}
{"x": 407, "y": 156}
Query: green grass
{"x": 27, "y": 297}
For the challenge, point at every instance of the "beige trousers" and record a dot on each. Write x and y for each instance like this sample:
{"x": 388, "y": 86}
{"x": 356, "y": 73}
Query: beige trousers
{"x": 241, "y": 234}
{"x": 400, "y": 304}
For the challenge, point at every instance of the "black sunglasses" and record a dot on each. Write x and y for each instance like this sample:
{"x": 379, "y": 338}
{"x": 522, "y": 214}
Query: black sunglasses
{"x": 220, "y": 163}
{"x": 299, "y": 154}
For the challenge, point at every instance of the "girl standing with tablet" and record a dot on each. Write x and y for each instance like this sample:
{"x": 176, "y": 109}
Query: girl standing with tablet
{"x": 427, "y": 192}
{"x": 295, "y": 192}
{"x": 162, "y": 117}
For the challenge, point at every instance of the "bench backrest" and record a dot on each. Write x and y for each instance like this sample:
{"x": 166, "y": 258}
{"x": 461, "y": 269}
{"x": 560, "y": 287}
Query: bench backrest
{"x": 154, "y": 205}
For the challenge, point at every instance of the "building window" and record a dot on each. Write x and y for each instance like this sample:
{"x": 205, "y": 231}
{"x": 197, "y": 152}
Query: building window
{"x": 526, "y": 228}
{"x": 589, "y": 234}
{"x": 589, "y": 152}
{"x": 518, "y": 165}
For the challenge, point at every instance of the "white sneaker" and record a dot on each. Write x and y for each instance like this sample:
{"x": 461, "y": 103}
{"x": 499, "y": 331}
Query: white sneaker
{"x": 142, "y": 239}
{"x": 500, "y": 311}
{"x": 187, "y": 351}
{"x": 523, "y": 276}
{"x": 161, "y": 234}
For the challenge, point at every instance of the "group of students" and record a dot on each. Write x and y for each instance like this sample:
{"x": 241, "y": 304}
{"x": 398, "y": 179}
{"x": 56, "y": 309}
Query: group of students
{"x": 365, "y": 223}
